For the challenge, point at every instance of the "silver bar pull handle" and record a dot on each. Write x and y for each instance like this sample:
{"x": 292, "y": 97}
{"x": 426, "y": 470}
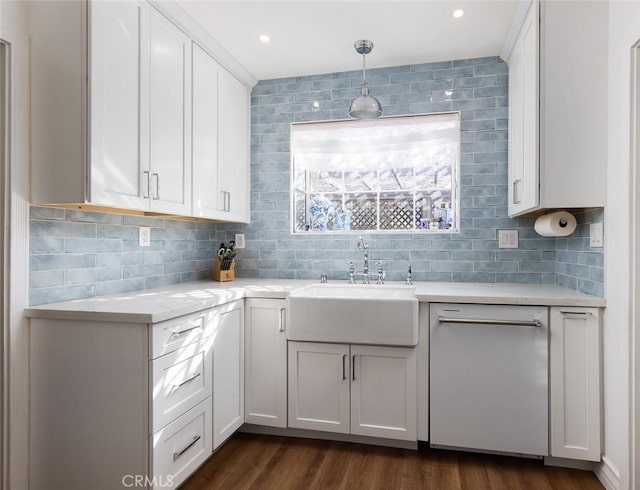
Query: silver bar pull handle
{"x": 188, "y": 380}
{"x": 579, "y": 314}
{"x": 344, "y": 367}
{"x": 516, "y": 199}
{"x": 147, "y": 173}
{"x": 483, "y": 321}
{"x": 179, "y": 333}
{"x": 180, "y": 453}
{"x": 353, "y": 367}
{"x": 228, "y": 201}
{"x": 281, "y": 321}
{"x": 157, "y": 196}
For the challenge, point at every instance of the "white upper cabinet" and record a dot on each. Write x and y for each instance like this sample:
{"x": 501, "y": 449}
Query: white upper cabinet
{"x": 205, "y": 134}
{"x": 118, "y": 159}
{"x": 557, "y": 106}
{"x": 170, "y": 117}
{"x": 233, "y": 164}
{"x": 220, "y": 141}
{"x": 112, "y": 111}
{"x": 523, "y": 117}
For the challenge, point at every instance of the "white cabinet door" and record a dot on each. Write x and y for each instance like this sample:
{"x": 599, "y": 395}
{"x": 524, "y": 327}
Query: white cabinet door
{"x": 319, "y": 386}
{"x": 265, "y": 363}
{"x": 524, "y": 117}
{"x": 170, "y": 117}
{"x": 119, "y": 103}
{"x": 181, "y": 447}
{"x": 180, "y": 380}
{"x": 233, "y": 163}
{"x": 573, "y": 103}
{"x": 383, "y": 392}
{"x": 575, "y": 383}
{"x": 205, "y": 134}
{"x": 228, "y": 371}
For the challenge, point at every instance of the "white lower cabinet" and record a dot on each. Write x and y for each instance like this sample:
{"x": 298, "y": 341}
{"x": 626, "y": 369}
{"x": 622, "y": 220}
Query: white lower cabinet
{"x": 115, "y": 403}
{"x": 384, "y": 392}
{"x": 575, "y": 383}
{"x": 180, "y": 380}
{"x": 228, "y": 371}
{"x": 265, "y": 388}
{"x": 182, "y": 446}
{"x": 319, "y": 386}
{"x": 353, "y": 389}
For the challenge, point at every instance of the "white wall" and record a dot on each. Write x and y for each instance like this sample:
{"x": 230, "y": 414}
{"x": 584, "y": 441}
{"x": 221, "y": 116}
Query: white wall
{"x": 624, "y": 32}
{"x": 13, "y": 30}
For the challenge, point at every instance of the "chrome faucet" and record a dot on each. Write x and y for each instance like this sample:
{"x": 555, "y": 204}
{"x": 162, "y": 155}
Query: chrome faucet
{"x": 380, "y": 273}
{"x": 352, "y": 271}
{"x": 364, "y": 246}
{"x": 409, "y": 280}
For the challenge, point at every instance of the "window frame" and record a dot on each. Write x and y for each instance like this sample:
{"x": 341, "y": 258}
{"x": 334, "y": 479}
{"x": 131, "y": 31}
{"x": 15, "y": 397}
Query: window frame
{"x": 455, "y": 187}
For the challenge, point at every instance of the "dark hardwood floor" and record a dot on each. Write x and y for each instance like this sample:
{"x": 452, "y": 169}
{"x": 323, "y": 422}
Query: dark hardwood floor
{"x": 249, "y": 461}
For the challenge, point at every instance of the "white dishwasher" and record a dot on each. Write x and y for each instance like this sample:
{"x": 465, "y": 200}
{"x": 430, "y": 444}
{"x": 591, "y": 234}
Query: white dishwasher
{"x": 488, "y": 386}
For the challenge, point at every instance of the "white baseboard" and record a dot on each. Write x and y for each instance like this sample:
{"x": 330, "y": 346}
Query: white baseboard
{"x": 327, "y": 436}
{"x": 608, "y": 474}
{"x": 574, "y": 464}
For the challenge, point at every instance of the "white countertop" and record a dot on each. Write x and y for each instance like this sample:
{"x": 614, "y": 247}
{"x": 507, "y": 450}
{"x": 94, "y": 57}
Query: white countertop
{"x": 164, "y": 303}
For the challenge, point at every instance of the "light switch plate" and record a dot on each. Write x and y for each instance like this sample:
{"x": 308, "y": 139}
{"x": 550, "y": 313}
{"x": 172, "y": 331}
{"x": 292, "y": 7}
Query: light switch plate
{"x": 507, "y": 238}
{"x": 239, "y": 240}
{"x": 596, "y": 235}
{"x": 144, "y": 236}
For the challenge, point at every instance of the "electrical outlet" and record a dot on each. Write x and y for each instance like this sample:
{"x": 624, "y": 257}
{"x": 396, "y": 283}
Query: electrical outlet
{"x": 144, "y": 236}
{"x": 507, "y": 238}
{"x": 239, "y": 240}
{"x": 596, "y": 235}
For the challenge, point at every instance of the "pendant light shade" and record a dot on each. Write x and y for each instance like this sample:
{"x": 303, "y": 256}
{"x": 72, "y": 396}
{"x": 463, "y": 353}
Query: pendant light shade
{"x": 364, "y": 106}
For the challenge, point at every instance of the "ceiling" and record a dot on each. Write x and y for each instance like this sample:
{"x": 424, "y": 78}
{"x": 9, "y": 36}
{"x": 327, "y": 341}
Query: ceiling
{"x": 314, "y": 37}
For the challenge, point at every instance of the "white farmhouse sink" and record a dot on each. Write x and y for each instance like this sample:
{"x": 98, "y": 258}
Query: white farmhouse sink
{"x": 356, "y": 314}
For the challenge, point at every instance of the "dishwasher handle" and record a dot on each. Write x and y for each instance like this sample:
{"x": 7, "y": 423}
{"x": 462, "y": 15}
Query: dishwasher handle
{"x": 485, "y": 321}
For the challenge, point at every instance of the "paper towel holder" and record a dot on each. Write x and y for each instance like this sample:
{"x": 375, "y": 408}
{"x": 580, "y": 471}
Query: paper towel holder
{"x": 555, "y": 224}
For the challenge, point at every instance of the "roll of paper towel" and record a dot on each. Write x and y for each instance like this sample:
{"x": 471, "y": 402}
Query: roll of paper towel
{"x": 559, "y": 223}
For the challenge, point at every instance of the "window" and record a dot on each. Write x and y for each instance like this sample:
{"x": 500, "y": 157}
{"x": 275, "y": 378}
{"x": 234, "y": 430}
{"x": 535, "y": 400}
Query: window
{"x": 390, "y": 174}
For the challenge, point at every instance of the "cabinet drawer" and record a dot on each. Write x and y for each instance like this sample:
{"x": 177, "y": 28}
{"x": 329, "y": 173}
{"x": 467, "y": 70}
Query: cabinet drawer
{"x": 183, "y": 445}
{"x": 176, "y": 333}
{"x": 180, "y": 381}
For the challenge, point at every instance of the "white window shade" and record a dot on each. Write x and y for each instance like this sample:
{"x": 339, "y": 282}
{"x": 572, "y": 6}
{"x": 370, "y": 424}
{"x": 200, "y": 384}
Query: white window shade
{"x": 415, "y": 141}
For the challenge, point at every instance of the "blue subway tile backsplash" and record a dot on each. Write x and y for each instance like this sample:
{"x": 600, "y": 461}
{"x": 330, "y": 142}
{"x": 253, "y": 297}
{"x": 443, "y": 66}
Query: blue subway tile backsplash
{"x": 80, "y": 254}
{"x": 77, "y": 254}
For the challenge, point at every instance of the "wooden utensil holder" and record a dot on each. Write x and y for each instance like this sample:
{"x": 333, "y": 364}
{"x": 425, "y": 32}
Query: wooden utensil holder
{"x": 223, "y": 275}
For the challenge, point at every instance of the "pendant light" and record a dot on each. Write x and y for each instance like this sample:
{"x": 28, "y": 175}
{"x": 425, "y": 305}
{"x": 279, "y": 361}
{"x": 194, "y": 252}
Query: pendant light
{"x": 364, "y": 106}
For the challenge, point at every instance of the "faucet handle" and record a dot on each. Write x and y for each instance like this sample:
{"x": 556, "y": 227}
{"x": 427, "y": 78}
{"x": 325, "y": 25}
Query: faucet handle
{"x": 409, "y": 281}
{"x": 352, "y": 271}
{"x": 381, "y": 273}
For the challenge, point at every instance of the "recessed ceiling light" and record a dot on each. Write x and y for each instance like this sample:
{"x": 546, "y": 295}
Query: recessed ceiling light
{"x": 457, "y": 13}
{"x": 264, "y": 38}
